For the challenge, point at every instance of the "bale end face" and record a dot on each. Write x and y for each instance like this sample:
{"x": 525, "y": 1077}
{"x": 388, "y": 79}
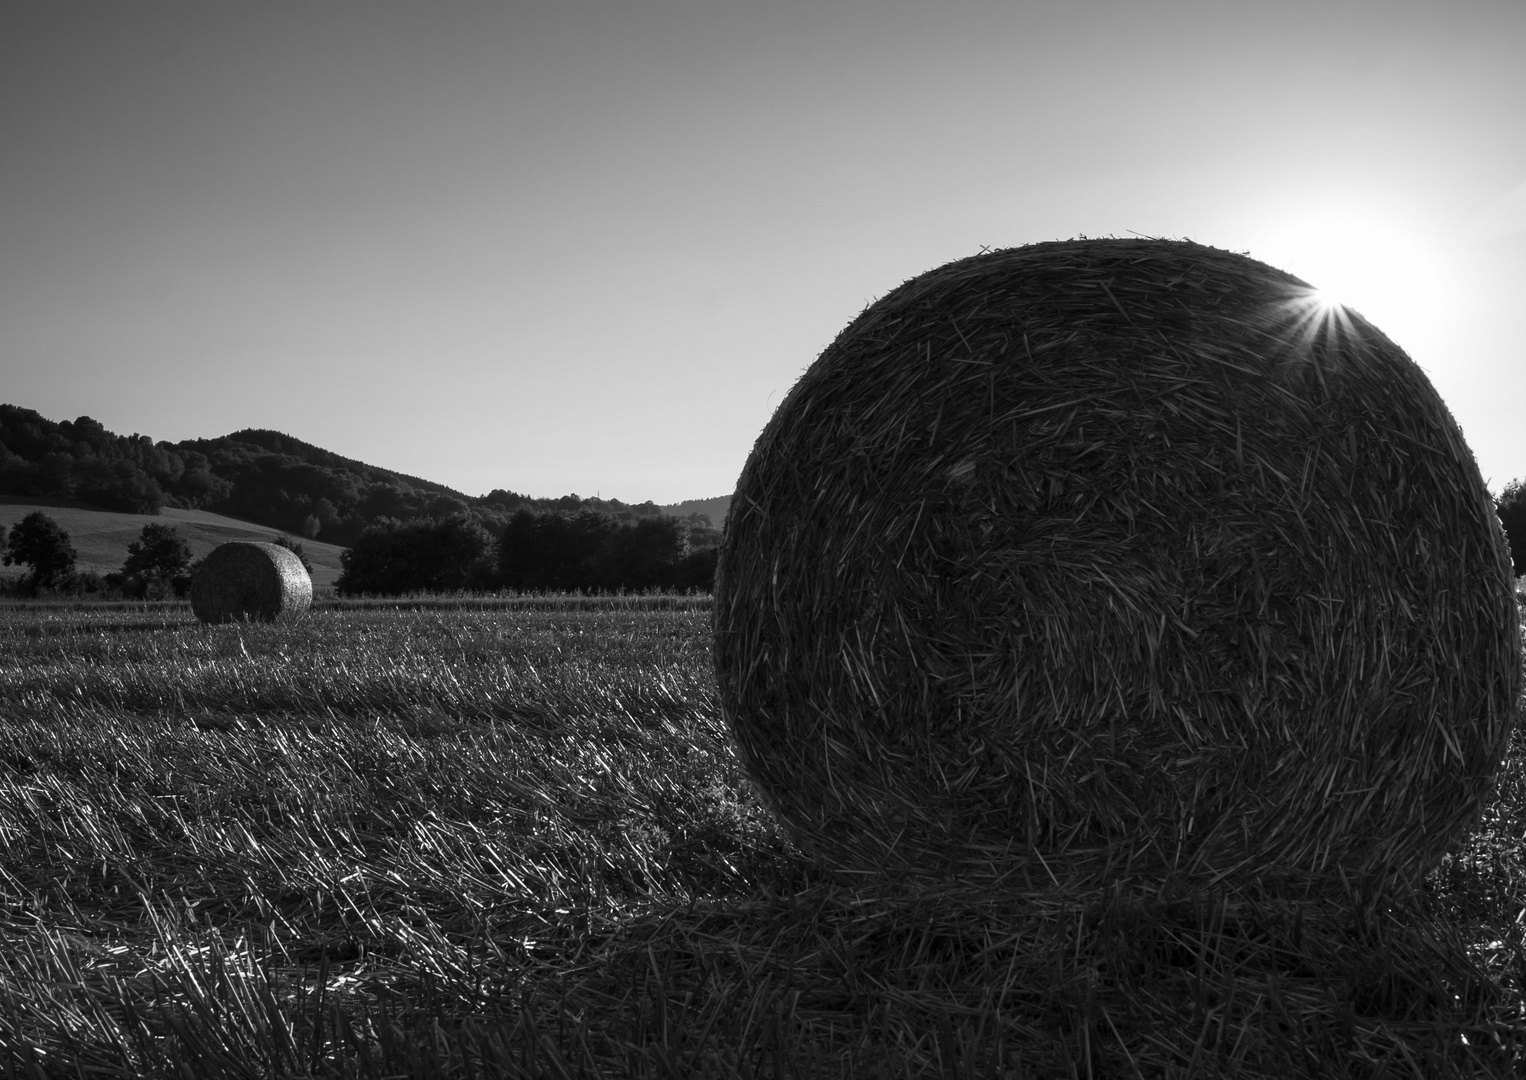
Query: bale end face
{"x": 1118, "y": 559}
{"x": 249, "y": 582}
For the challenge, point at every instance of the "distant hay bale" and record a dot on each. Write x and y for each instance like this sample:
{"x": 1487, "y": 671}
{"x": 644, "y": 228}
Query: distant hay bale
{"x": 1109, "y": 559}
{"x": 251, "y": 582}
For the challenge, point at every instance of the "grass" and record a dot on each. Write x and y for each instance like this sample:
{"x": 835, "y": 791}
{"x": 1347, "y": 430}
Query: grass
{"x": 468, "y": 838}
{"x": 101, "y": 537}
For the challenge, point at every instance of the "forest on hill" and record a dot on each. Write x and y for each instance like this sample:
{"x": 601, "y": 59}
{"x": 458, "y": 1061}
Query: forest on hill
{"x": 264, "y": 477}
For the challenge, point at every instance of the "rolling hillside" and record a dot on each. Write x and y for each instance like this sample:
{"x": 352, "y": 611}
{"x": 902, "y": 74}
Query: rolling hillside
{"x": 101, "y": 536}
{"x": 715, "y": 509}
{"x": 259, "y": 478}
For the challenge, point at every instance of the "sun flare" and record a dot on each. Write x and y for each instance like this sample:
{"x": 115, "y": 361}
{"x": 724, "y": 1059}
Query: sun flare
{"x": 1378, "y": 261}
{"x": 1318, "y": 314}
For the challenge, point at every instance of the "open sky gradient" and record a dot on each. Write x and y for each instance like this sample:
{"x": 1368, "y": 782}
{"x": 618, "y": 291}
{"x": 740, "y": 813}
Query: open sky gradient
{"x": 587, "y": 247}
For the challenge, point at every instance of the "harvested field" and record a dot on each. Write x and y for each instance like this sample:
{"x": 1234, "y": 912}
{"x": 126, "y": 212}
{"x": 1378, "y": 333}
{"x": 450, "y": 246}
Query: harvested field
{"x": 452, "y": 842}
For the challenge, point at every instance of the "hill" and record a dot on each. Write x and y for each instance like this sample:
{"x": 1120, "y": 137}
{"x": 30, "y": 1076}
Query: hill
{"x": 255, "y": 476}
{"x": 101, "y": 536}
{"x": 715, "y": 509}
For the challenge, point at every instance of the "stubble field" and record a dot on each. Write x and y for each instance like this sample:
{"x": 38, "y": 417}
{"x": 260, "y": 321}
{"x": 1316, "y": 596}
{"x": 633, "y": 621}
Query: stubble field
{"x": 510, "y": 839}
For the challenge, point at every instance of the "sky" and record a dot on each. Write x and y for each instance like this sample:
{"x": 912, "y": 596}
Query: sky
{"x": 587, "y": 247}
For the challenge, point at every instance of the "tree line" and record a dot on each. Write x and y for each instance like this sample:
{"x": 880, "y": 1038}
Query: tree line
{"x": 588, "y": 551}
{"x": 264, "y": 477}
{"x": 584, "y": 551}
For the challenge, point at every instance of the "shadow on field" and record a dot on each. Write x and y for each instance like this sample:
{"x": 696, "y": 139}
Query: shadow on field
{"x": 829, "y": 983}
{"x": 826, "y": 983}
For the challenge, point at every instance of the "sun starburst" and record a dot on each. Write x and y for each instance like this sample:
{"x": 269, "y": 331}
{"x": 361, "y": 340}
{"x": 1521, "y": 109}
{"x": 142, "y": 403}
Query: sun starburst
{"x": 1317, "y": 316}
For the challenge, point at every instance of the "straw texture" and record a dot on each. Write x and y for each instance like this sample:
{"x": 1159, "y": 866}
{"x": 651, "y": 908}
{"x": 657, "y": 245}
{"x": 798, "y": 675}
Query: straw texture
{"x": 243, "y": 581}
{"x": 1117, "y": 559}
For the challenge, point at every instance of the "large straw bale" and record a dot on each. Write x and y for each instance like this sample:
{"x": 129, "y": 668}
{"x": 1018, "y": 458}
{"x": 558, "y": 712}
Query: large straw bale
{"x": 249, "y": 582}
{"x": 1109, "y": 559}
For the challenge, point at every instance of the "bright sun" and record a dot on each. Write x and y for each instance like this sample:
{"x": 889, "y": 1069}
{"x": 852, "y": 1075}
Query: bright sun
{"x": 1373, "y": 274}
{"x": 1317, "y": 313}
{"x": 1363, "y": 260}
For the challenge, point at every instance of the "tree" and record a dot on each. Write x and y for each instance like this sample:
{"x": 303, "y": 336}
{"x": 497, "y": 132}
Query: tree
{"x": 118, "y": 485}
{"x": 555, "y": 551}
{"x": 326, "y": 513}
{"x": 386, "y": 500}
{"x": 642, "y": 555}
{"x": 421, "y": 555}
{"x": 444, "y": 506}
{"x": 41, "y": 543}
{"x": 1511, "y": 508}
{"x": 696, "y": 570}
{"x": 462, "y": 550}
{"x": 593, "y": 550}
{"x": 504, "y": 498}
{"x": 159, "y": 554}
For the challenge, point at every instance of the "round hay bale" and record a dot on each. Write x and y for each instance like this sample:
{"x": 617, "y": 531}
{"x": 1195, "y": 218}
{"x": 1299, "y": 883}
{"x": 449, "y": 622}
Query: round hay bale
{"x": 249, "y": 582}
{"x": 1117, "y": 559}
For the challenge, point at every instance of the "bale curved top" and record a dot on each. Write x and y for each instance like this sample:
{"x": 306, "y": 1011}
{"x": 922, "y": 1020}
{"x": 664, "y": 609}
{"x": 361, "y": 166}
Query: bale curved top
{"x": 1108, "y": 559}
{"x": 243, "y": 581}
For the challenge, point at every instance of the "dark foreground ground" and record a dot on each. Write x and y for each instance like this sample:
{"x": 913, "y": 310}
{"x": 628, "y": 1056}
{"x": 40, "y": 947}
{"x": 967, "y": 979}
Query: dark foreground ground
{"x": 510, "y": 839}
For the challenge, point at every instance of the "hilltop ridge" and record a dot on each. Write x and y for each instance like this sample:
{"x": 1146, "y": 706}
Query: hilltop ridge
{"x": 255, "y": 475}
